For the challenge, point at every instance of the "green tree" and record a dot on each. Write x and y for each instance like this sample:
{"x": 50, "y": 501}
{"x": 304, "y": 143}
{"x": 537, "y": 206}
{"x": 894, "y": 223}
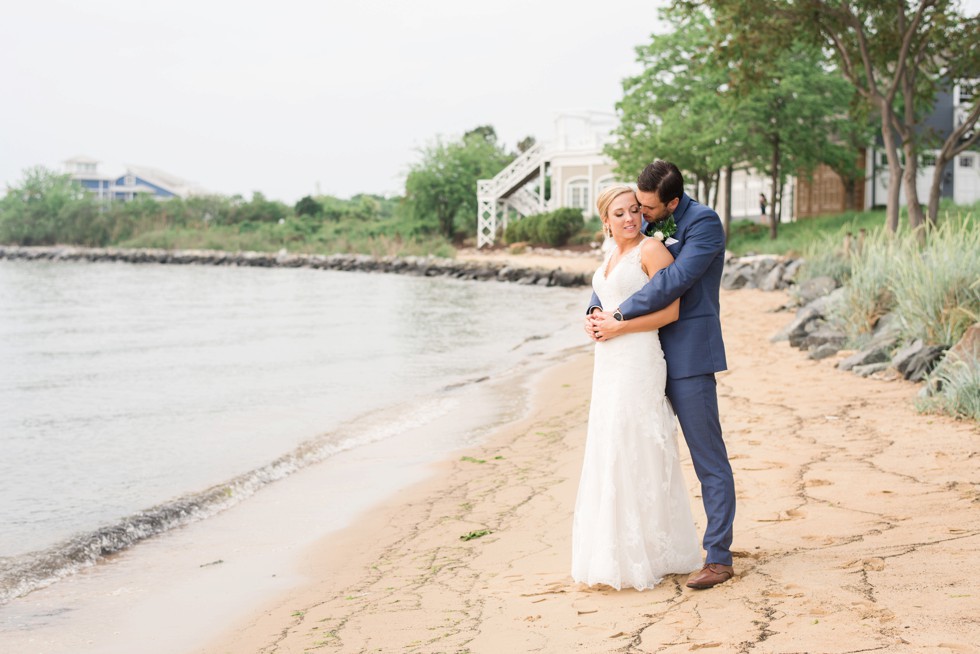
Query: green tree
{"x": 677, "y": 108}
{"x": 307, "y": 206}
{"x": 691, "y": 105}
{"x": 440, "y": 190}
{"x": 896, "y": 55}
{"x": 526, "y": 144}
{"x": 48, "y": 208}
{"x": 260, "y": 209}
{"x": 794, "y": 117}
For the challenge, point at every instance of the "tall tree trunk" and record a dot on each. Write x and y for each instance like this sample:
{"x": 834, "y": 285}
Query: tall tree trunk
{"x": 894, "y": 170}
{"x": 935, "y": 190}
{"x": 716, "y": 187}
{"x": 850, "y": 193}
{"x": 773, "y": 228}
{"x": 911, "y": 188}
{"x": 728, "y": 200}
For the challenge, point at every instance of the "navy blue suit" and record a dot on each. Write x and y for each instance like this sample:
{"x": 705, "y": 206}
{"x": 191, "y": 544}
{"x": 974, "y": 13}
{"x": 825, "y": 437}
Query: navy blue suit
{"x": 695, "y": 351}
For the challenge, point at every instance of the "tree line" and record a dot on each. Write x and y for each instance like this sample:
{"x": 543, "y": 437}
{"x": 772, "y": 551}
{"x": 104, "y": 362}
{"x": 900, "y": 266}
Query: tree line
{"x": 782, "y": 86}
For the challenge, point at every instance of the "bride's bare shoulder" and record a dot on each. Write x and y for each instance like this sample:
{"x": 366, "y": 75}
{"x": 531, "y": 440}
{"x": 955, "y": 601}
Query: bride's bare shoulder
{"x": 654, "y": 255}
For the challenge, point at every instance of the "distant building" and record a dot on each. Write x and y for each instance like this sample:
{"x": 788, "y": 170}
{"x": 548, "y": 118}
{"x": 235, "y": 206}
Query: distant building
{"x": 135, "y": 181}
{"x": 961, "y": 177}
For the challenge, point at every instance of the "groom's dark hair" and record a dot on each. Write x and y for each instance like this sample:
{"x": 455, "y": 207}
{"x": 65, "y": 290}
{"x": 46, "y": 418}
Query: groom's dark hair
{"x": 663, "y": 178}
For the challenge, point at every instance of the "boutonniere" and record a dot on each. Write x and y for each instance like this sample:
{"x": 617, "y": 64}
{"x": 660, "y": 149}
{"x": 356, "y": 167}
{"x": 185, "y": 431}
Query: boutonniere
{"x": 662, "y": 229}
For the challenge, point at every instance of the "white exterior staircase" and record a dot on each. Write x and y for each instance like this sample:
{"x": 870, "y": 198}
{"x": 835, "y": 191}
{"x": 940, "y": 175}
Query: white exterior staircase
{"x": 508, "y": 190}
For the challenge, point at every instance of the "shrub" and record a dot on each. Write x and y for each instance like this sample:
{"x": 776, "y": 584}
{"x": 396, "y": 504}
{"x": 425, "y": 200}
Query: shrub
{"x": 560, "y": 225}
{"x": 554, "y": 228}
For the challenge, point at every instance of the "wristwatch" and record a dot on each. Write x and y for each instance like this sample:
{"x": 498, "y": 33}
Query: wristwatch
{"x": 618, "y": 315}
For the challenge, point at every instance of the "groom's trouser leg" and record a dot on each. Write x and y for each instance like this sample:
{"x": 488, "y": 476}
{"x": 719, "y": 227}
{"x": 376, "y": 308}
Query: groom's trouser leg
{"x": 695, "y": 401}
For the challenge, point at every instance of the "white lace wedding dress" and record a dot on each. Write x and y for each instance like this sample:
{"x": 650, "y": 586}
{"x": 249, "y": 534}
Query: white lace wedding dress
{"x": 633, "y": 521}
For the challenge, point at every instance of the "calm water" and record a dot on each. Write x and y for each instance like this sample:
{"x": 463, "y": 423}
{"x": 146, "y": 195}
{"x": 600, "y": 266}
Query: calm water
{"x": 127, "y": 391}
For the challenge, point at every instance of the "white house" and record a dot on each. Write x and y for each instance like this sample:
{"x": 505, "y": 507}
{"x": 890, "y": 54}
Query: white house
{"x": 578, "y": 170}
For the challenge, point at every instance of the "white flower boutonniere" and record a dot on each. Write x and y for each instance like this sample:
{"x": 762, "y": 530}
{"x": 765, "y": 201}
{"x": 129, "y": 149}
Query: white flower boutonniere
{"x": 662, "y": 229}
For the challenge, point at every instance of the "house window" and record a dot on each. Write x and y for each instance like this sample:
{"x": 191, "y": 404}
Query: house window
{"x": 882, "y": 158}
{"x": 577, "y": 194}
{"x": 928, "y": 160}
{"x": 130, "y": 180}
{"x": 603, "y": 184}
{"x": 966, "y": 161}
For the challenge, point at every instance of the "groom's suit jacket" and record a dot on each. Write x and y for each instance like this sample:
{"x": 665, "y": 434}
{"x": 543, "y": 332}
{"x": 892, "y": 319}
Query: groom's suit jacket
{"x": 692, "y": 345}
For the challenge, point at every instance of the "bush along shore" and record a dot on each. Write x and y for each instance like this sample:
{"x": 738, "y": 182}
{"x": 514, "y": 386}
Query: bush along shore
{"x": 427, "y": 266}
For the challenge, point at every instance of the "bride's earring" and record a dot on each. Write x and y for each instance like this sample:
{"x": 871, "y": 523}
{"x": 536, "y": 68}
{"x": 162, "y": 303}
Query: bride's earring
{"x": 606, "y": 230}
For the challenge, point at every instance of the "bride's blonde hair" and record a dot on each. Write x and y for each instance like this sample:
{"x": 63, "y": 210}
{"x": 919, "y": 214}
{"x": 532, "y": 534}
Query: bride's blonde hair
{"x": 609, "y": 194}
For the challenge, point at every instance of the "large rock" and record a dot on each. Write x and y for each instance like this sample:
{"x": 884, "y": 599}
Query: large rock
{"x": 797, "y": 328}
{"x": 823, "y": 351}
{"x": 923, "y": 362}
{"x": 811, "y": 289}
{"x": 967, "y": 349}
{"x": 866, "y": 357}
{"x": 736, "y": 277}
{"x": 904, "y": 355}
{"x": 773, "y": 281}
{"x": 825, "y": 335}
{"x": 792, "y": 268}
{"x": 870, "y": 368}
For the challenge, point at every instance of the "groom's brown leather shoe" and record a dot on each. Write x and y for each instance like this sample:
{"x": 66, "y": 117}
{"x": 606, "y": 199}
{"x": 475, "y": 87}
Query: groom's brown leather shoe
{"x": 711, "y": 575}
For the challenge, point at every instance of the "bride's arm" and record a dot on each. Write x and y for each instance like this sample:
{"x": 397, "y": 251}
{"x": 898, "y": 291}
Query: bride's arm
{"x": 654, "y": 257}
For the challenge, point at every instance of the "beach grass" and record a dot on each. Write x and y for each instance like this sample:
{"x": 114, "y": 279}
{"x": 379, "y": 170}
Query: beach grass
{"x": 928, "y": 280}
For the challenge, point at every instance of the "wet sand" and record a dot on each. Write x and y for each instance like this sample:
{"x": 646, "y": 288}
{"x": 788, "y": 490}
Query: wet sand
{"x": 858, "y": 529}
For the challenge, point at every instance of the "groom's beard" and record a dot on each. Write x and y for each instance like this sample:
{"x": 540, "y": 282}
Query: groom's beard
{"x": 651, "y": 218}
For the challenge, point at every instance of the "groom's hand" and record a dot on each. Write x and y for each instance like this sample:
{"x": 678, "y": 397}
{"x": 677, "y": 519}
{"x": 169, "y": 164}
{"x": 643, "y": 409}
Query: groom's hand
{"x": 605, "y": 326}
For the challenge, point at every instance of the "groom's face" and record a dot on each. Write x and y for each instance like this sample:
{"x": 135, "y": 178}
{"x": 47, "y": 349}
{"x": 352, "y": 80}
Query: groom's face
{"x": 651, "y": 206}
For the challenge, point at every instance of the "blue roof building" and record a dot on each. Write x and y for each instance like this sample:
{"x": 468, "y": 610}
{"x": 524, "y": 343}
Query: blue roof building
{"x": 134, "y": 182}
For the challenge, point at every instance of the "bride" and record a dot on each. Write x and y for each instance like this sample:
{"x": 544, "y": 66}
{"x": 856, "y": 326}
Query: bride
{"x": 633, "y": 521}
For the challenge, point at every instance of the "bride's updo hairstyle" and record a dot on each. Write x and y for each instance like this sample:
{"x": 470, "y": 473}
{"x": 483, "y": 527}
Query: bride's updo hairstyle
{"x": 609, "y": 194}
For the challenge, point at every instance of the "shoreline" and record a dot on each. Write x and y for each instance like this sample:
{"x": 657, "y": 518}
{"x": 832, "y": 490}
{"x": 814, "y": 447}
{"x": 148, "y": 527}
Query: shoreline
{"x": 855, "y": 516}
{"x": 475, "y": 268}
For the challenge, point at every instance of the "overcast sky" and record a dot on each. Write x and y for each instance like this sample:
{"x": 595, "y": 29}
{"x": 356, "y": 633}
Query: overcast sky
{"x": 293, "y": 96}
{"x": 281, "y": 97}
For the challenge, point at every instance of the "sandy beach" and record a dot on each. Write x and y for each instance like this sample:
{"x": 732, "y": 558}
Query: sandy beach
{"x": 857, "y": 530}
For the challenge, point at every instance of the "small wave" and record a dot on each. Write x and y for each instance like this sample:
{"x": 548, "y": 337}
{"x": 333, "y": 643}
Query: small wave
{"x": 22, "y": 574}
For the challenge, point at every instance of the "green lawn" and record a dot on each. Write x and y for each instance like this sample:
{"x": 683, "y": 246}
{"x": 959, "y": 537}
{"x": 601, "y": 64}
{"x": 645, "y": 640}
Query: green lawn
{"x": 798, "y": 237}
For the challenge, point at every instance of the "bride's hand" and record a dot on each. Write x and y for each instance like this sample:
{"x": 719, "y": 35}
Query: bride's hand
{"x": 605, "y": 326}
{"x": 590, "y": 327}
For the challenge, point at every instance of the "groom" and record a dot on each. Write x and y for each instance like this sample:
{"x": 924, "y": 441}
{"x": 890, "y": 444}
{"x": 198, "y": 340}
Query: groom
{"x": 692, "y": 346}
